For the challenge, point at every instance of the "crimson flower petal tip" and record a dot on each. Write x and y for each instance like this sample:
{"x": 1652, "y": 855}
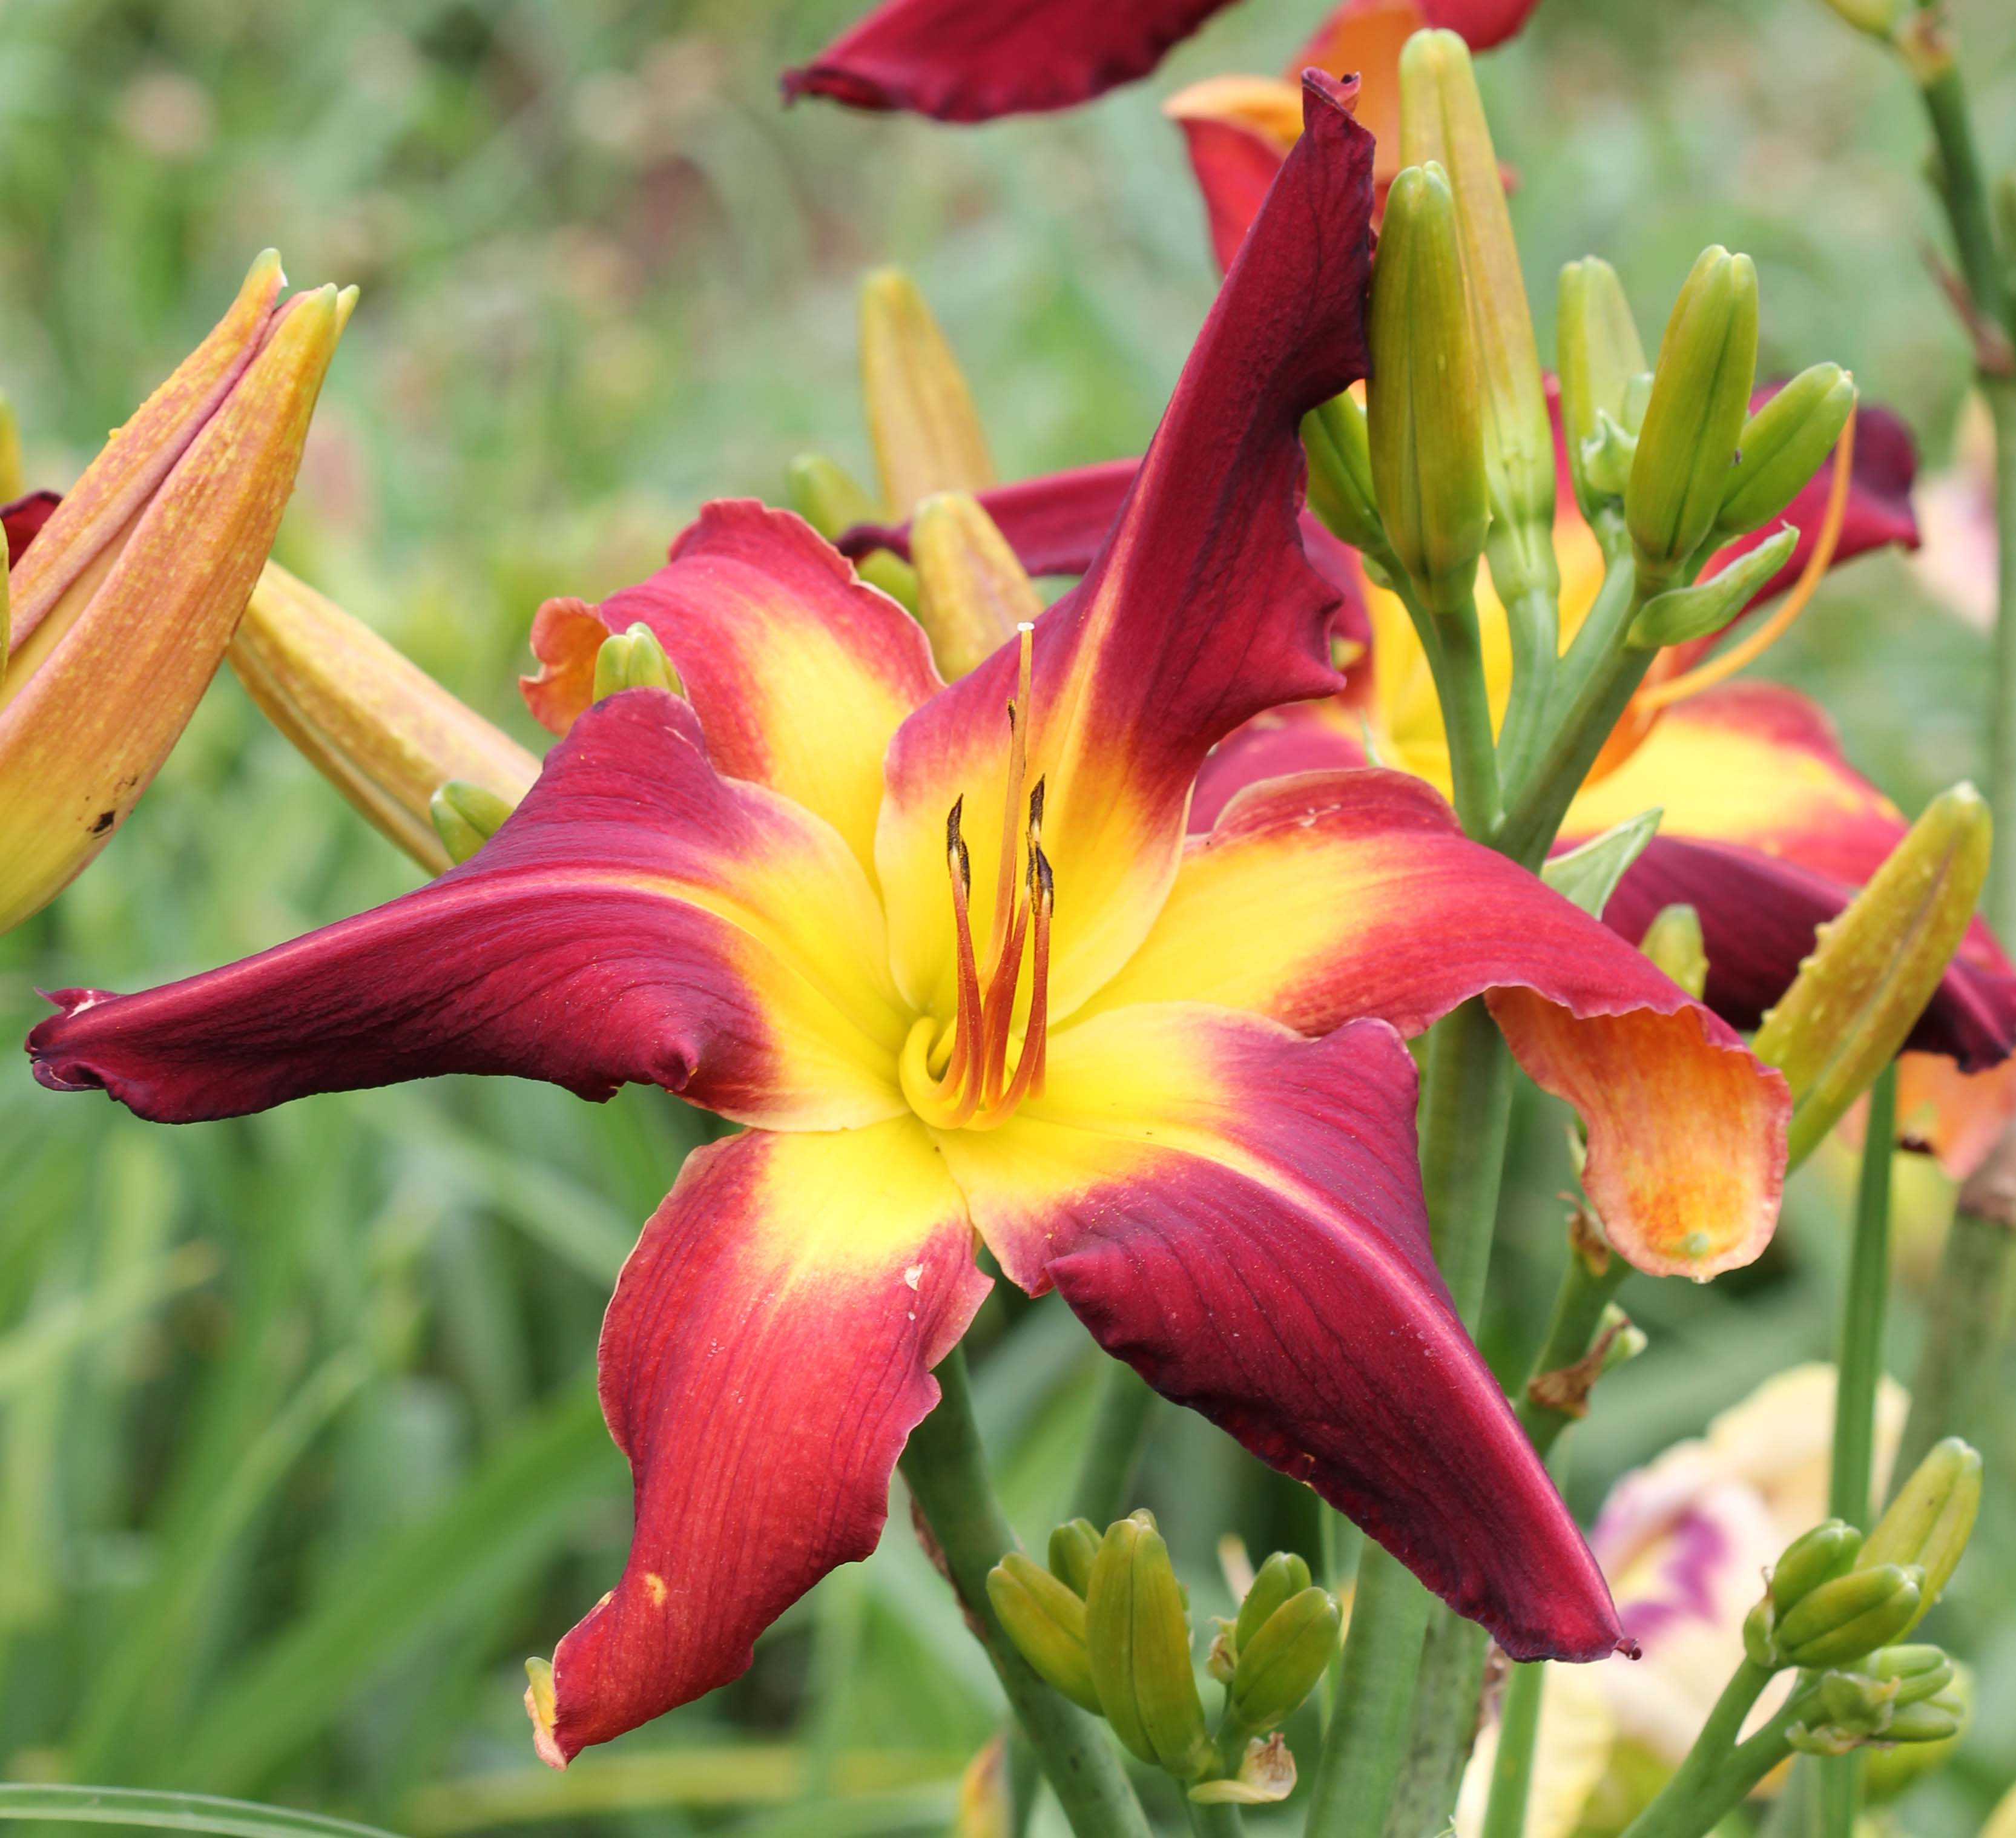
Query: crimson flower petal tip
{"x": 955, "y": 60}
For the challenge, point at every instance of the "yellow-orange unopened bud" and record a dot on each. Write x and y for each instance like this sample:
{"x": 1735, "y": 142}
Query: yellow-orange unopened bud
{"x": 375, "y": 724}
{"x": 1874, "y": 969}
{"x": 972, "y": 593}
{"x": 125, "y": 602}
{"x": 920, "y": 413}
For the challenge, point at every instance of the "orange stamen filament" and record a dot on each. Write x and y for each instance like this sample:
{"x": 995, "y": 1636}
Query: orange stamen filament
{"x": 1028, "y": 1079}
{"x": 1719, "y": 669}
{"x": 1004, "y": 878}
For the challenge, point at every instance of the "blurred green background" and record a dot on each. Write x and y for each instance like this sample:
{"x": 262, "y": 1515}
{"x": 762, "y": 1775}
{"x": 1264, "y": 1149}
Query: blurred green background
{"x": 298, "y": 1455}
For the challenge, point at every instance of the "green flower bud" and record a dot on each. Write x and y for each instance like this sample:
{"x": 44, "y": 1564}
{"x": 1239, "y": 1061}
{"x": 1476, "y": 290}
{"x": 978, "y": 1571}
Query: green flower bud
{"x": 1280, "y": 1663}
{"x": 1442, "y": 120}
{"x": 831, "y": 499}
{"x": 1879, "y": 18}
{"x": 1139, "y": 1641}
{"x": 1850, "y": 1616}
{"x": 1597, "y": 353}
{"x": 1607, "y": 457}
{"x": 1874, "y": 968}
{"x": 1074, "y": 1544}
{"x": 1673, "y": 941}
{"x": 466, "y": 816}
{"x": 1425, "y": 416}
{"x": 1936, "y": 1720}
{"x": 1339, "y": 446}
{"x": 1046, "y": 1619}
{"x": 633, "y": 660}
{"x": 1283, "y": 1575}
{"x": 972, "y": 593}
{"x": 1912, "y": 1746}
{"x": 1700, "y": 400}
{"x": 1783, "y": 445}
{"x": 1813, "y": 1558}
{"x": 1918, "y": 1672}
{"x": 1932, "y": 1517}
{"x": 1681, "y": 613}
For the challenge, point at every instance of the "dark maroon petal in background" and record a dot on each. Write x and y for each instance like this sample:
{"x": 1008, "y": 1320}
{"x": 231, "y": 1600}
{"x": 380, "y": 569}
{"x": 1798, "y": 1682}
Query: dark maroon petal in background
{"x": 24, "y": 520}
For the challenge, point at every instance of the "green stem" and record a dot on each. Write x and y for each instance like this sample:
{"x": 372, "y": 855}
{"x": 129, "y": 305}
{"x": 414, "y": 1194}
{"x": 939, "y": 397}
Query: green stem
{"x": 1455, "y": 660}
{"x": 2001, "y": 395}
{"x": 1858, "y": 1352}
{"x": 1444, "y": 1726}
{"x": 1106, "y": 1470}
{"x": 1964, "y": 191}
{"x": 946, "y": 1468}
{"x": 1962, "y": 1324}
{"x": 1367, "y": 1735}
{"x": 1705, "y": 1786}
{"x": 1512, "y": 1777}
{"x": 1533, "y": 619}
{"x": 1214, "y": 1822}
{"x": 1578, "y": 1306}
{"x": 1529, "y": 825}
{"x": 1837, "y": 1798}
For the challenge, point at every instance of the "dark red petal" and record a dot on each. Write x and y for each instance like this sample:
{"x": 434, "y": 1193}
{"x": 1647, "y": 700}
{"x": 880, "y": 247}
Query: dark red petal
{"x": 1304, "y": 737}
{"x": 639, "y": 919}
{"x": 1236, "y": 1212}
{"x": 1481, "y": 23}
{"x": 23, "y": 519}
{"x": 766, "y": 1356}
{"x": 1055, "y": 522}
{"x": 1234, "y": 165}
{"x": 971, "y": 60}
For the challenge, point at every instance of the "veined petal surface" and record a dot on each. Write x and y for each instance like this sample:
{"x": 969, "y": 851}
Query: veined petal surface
{"x": 1199, "y": 610}
{"x": 960, "y": 61}
{"x": 799, "y": 673}
{"x": 1322, "y": 898}
{"x": 766, "y": 1355}
{"x": 640, "y": 917}
{"x": 1236, "y": 1211}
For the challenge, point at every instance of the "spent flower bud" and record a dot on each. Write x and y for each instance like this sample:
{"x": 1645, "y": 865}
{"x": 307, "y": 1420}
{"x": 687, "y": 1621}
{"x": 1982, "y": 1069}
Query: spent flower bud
{"x": 1266, "y": 1775}
{"x": 1279, "y": 1664}
{"x": 1046, "y": 1619}
{"x": 1283, "y": 1575}
{"x": 1442, "y": 120}
{"x": 1874, "y": 968}
{"x": 124, "y": 603}
{"x": 1139, "y": 1641}
{"x": 972, "y": 593}
{"x": 1597, "y": 354}
{"x": 1673, "y": 941}
{"x": 920, "y": 415}
{"x": 1783, "y": 445}
{"x": 1074, "y": 1546}
{"x": 374, "y": 724}
{"x": 1425, "y": 412}
{"x": 633, "y": 660}
{"x": 1930, "y": 1521}
{"x": 1700, "y": 400}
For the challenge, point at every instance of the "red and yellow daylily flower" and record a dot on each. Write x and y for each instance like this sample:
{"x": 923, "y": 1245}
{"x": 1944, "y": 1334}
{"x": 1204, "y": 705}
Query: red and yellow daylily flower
{"x": 946, "y": 952}
{"x": 966, "y": 60}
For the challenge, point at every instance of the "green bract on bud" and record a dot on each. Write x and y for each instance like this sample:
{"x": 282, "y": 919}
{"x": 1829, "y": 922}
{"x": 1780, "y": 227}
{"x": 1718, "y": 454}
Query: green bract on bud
{"x": 1283, "y": 1575}
{"x": 1279, "y": 1664}
{"x": 1139, "y": 1641}
{"x": 1681, "y": 613}
{"x": 1783, "y": 445}
{"x": 1442, "y": 120}
{"x": 1930, "y": 1521}
{"x": 1074, "y": 1545}
{"x": 466, "y": 816}
{"x": 1673, "y": 941}
{"x": 1045, "y": 1619}
{"x": 633, "y": 660}
{"x": 1700, "y": 400}
{"x": 972, "y": 592}
{"x": 1598, "y": 354}
{"x": 1874, "y": 968}
{"x": 1425, "y": 414}
{"x": 1339, "y": 446}
{"x": 832, "y": 500}
{"x": 1849, "y": 1615}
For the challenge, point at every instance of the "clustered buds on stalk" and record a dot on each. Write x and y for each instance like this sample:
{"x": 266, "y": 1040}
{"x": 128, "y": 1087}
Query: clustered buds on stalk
{"x": 1838, "y": 1604}
{"x": 1108, "y": 1623}
{"x": 1695, "y": 417}
{"x": 1424, "y": 409}
{"x": 1874, "y": 969}
{"x": 123, "y": 606}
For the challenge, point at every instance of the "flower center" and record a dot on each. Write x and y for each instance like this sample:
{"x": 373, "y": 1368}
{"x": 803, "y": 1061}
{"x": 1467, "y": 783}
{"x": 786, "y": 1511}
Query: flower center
{"x": 960, "y": 1077}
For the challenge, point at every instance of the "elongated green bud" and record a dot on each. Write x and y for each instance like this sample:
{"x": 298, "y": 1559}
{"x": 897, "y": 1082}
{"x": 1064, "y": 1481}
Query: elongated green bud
{"x": 1813, "y": 1558}
{"x": 1932, "y": 1517}
{"x": 1283, "y": 1575}
{"x": 633, "y": 660}
{"x": 1598, "y": 354}
{"x": 1700, "y": 400}
{"x": 920, "y": 414}
{"x": 1139, "y": 1641}
{"x": 1673, "y": 941}
{"x": 1878, "y": 18}
{"x": 1279, "y": 1665}
{"x": 466, "y": 816}
{"x": 1442, "y": 119}
{"x": 1850, "y": 1616}
{"x": 1783, "y": 445}
{"x": 1074, "y": 1545}
{"x": 1684, "y": 612}
{"x": 832, "y": 500}
{"x": 1339, "y": 446}
{"x": 1874, "y": 968}
{"x": 1936, "y": 1720}
{"x": 1918, "y": 1672}
{"x": 1425, "y": 412}
{"x": 972, "y": 592}
{"x": 1046, "y": 1619}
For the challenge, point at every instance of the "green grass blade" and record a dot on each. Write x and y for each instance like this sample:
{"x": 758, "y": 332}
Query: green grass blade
{"x": 178, "y": 1812}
